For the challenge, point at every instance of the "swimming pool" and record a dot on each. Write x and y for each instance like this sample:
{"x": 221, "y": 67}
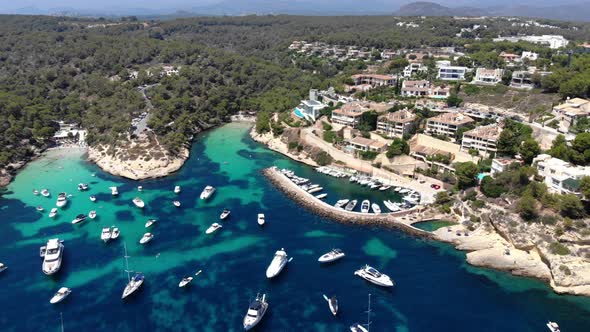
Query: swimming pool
{"x": 298, "y": 113}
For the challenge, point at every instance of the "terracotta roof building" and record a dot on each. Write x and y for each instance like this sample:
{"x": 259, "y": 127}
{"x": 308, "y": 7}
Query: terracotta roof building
{"x": 447, "y": 124}
{"x": 483, "y": 139}
{"x": 396, "y": 124}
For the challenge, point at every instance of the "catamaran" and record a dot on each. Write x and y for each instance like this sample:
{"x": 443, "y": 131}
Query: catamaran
{"x": 45, "y": 193}
{"x": 277, "y": 264}
{"x": 106, "y": 234}
{"x": 256, "y": 311}
{"x": 52, "y": 254}
{"x": 135, "y": 282}
{"x": 207, "y": 192}
{"x": 365, "y": 206}
{"x": 333, "y": 255}
{"x": 372, "y": 275}
{"x": 376, "y": 209}
{"x": 60, "y": 295}
{"x": 177, "y": 189}
{"x": 53, "y": 212}
{"x": 332, "y": 303}
{"x": 351, "y": 205}
{"x": 114, "y": 191}
{"x": 62, "y": 200}
{"x": 213, "y": 228}
{"x": 138, "y": 202}
{"x": 224, "y": 214}
{"x": 147, "y": 237}
{"x": 79, "y": 218}
{"x": 261, "y": 219}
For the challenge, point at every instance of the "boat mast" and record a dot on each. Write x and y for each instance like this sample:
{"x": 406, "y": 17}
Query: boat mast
{"x": 127, "y": 262}
{"x": 369, "y": 313}
{"x": 61, "y": 317}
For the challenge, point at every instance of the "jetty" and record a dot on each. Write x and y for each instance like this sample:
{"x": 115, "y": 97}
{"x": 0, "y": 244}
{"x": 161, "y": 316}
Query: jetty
{"x": 402, "y": 220}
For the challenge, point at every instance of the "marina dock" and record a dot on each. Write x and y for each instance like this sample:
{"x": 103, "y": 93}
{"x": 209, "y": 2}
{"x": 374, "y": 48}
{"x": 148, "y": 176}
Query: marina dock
{"x": 403, "y": 220}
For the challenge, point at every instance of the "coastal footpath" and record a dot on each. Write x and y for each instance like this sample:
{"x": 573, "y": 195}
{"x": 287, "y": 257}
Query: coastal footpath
{"x": 489, "y": 244}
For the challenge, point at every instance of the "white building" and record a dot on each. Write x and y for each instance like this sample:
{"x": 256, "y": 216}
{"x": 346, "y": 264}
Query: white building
{"x": 310, "y": 109}
{"x": 396, "y": 124}
{"x": 365, "y": 144}
{"x": 488, "y": 76}
{"x": 452, "y": 73}
{"x": 447, "y": 124}
{"x": 532, "y": 56}
{"x": 483, "y": 139}
{"x": 560, "y": 176}
{"x": 552, "y": 41}
{"x": 571, "y": 111}
{"x": 349, "y": 114}
{"x": 414, "y": 68}
{"x": 499, "y": 165}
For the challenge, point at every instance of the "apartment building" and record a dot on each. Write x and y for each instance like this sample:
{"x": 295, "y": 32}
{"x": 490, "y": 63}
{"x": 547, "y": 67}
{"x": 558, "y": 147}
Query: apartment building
{"x": 423, "y": 88}
{"x": 560, "y": 176}
{"x": 483, "y": 139}
{"x": 366, "y": 144}
{"x": 374, "y": 79}
{"x": 396, "y": 124}
{"x": 447, "y": 124}
{"x": 349, "y": 114}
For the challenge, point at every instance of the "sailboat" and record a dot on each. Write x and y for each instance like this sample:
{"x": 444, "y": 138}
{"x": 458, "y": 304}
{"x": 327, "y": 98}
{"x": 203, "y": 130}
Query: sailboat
{"x": 332, "y": 303}
{"x": 356, "y": 327}
{"x": 134, "y": 283}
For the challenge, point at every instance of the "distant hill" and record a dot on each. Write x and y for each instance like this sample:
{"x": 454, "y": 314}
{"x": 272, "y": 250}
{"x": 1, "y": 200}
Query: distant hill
{"x": 424, "y": 8}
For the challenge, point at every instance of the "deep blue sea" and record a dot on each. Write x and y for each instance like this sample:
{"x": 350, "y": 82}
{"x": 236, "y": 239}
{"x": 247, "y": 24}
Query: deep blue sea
{"x": 436, "y": 290}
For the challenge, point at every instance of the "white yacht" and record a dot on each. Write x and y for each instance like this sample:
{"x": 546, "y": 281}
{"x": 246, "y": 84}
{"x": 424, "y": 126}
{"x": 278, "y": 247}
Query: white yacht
{"x": 92, "y": 214}
{"x": 106, "y": 234}
{"x": 138, "y": 202}
{"x": 185, "y": 281}
{"x": 351, "y": 205}
{"x": 134, "y": 283}
{"x": 82, "y": 186}
{"x": 333, "y": 255}
{"x": 52, "y": 255}
{"x": 3, "y": 267}
{"x": 36, "y": 192}
{"x": 404, "y": 191}
{"x": 256, "y": 311}
{"x": 372, "y": 275}
{"x": 79, "y": 218}
{"x": 176, "y": 203}
{"x": 376, "y": 209}
{"x": 384, "y": 187}
{"x": 40, "y": 208}
{"x": 139, "y": 188}
{"x": 150, "y": 222}
{"x": 207, "y": 192}
{"x": 213, "y": 228}
{"x": 45, "y": 193}
{"x": 332, "y": 303}
{"x": 261, "y": 219}
{"x": 321, "y": 196}
{"x": 177, "y": 189}
{"x": 114, "y": 232}
{"x": 53, "y": 212}
{"x": 62, "y": 200}
{"x": 224, "y": 214}
{"x": 114, "y": 191}
{"x": 391, "y": 206}
{"x": 60, "y": 295}
{"x": 277, "y": 264}
{"x": 365, "y": 206}
{"x": 93, "y": 198}
{"x": 341, "y": 203}
{"x": 315, "y": 190}
{"x": 553, "y": 327}
{"x": 147, "y": 237}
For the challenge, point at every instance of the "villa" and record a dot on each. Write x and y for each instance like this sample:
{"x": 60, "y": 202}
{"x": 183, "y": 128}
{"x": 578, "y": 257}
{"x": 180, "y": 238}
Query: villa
{"x": 349, "y": 114}
{"x": 452, "y": 73}
{"x": 396, "y": 124}
{"x": 310, "y": 109}
{"x": 414, "y": 68}
{"x": 571, "y": 111}
{"x": 560, "y": 176}
{"x": 509, "y": 57}
{"x": 522, "y": 79}
{"x": 483, "y": 139}
{"x": 499, "y": 165}
{"x": 362, "y": 144}
{"x": 374, "y": 79}
{"x": 485, "y": 76}
{"x": 447, "y": 124}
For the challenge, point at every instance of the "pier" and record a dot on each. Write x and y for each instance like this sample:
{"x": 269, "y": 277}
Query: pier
{"x": 402, "y": 220}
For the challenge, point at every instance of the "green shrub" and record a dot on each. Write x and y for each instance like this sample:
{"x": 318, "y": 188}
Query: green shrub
{"x": 559, "y": 249}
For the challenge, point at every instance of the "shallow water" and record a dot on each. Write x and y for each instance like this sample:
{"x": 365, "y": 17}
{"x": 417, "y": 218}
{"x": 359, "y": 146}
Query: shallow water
{"x": 435, "y": 291}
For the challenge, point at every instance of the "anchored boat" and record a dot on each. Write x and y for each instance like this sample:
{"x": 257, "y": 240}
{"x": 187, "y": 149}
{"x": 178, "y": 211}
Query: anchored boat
{"x": 372, "y": 275}
{"x": 277, "y": 264}
{"x": 52, "y": 254}
{"x": 333, "y": 255}
{"x": 256, "y": 311}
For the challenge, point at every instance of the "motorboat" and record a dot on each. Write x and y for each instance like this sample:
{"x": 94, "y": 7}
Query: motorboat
{"x": 52, "y": 254}
{"x": 256, "y": 311}
{"x": 365, "y": 206}
{"x": 224, "y": 214}
{"x": 375, "y": 185}
{"x": 79, "y": 218}
{"x": 341, "y": 203}
{"x": 391, "y": 206}
{"x": 207, "y": 192}
{"x": 92, "y": 214}
{"x": 39, "y": 208}
{"x": 114, "y": 232}
{"x": 139, "y": 188}
{"x": 3, "y": 267}
{"x": 372, "y": 275}
{"x": 351, "y": 205}
{"x": 45, "y": 193}
{"x": 315, "y": 190}
{"x": 82, "y": 186}
{"x": 147, "y": 237}
{"x": 277, "y": 264}
{"x": 114, "y": 191}
{"x": 134, "y": 282}
{"x": 185, "y": 281}
{"x": 376, "y": 209}
{"x": 93, "y": 198}
{"x": 385, "y": 187}
{"x": 332, "y": 303}
{"x": 176, "y": 203}
{"x": 321, "y": 196}
{"x": 333, "y": 255}
{"x": 62, "y": 200}
{"x": 404, "y": 191}
{"x": 261, "y": 219}
{"x": 177, "y": 189}
{"x": 60, "y": 295}
{"x": 352, "y": 178}
{"x": 213, "y": 228}
{"x": 35, "y": 192}
{"x": 138, "y": 202}
{"x": 553, "y": 327}
{"x": 397, "y": 189}
{"x": 53, "y": 212}
{"x": 150, "y": 222}
{"x": 106, "y": 234}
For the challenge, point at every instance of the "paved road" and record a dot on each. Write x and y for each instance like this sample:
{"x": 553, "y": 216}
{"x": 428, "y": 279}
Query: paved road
{"x": 142, "y": 124}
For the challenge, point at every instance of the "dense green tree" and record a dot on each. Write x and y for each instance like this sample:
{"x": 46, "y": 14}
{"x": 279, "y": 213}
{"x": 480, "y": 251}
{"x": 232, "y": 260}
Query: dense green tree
{"x": 528, "y": 150}
{"x": 398, "y": 147}
{"x": 466, "y": 174}
{"x": 571, "y": 206}
{"x": 490, "y": 188}
{"x": 585, "y": 186}
{"x": 527, "y": 208}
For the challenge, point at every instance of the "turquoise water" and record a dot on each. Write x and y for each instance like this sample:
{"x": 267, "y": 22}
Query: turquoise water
{"x": 436, "y": 290}
{"x": 298, "y": 113}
